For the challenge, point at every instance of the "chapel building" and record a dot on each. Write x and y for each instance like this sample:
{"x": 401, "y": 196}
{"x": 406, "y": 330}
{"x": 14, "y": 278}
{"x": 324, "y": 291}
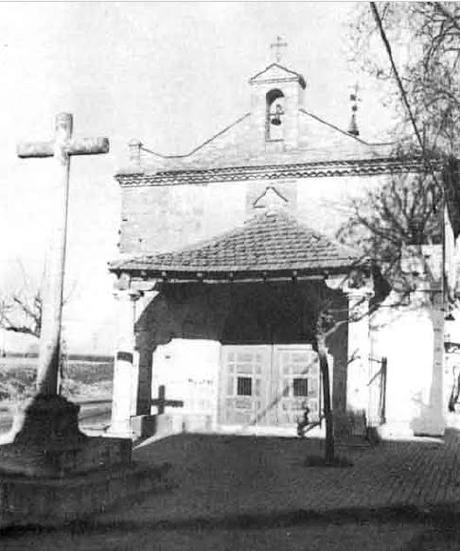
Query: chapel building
{"x": 228, "y": 254}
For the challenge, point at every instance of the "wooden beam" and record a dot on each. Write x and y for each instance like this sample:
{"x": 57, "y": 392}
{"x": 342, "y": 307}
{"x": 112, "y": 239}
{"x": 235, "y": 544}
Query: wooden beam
{"x": 259, "y": 279}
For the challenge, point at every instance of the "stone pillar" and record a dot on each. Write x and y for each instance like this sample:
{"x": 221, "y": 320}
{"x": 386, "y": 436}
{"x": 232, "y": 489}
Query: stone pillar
{"x": 377, "y": 366}
{"x": 437, "y": 408}
{"x": 125, "y": 374}
{"x": 358, "y": 372}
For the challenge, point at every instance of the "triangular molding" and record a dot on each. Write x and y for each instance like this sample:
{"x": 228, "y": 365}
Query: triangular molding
{"x": 270, "y": 199}
{"x": 276, "y": 72}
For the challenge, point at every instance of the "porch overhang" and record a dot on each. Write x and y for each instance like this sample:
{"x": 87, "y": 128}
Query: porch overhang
{"x": 232, "y": 275}
{"x": 269, "y": 247}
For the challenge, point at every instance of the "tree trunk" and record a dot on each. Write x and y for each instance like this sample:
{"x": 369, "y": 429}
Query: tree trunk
{"x": 329, "y": 455}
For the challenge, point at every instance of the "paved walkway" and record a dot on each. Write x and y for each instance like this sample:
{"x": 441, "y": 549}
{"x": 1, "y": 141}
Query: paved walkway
{"x": 227, "y": 492}
{"x": 218, "y": 476}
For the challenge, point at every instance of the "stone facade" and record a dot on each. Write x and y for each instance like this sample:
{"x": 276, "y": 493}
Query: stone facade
{"x": 308, "y": 168}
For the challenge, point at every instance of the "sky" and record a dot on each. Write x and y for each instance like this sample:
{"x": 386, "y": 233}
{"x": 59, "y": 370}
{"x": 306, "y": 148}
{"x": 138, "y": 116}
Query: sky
{"x": 170, "y": 74}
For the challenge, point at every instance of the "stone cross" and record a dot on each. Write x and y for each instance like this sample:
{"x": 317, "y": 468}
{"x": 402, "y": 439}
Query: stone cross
{"x": 161, "y": 401}
{"x": 61, "y": 148}
{"x": 278, "y": 45}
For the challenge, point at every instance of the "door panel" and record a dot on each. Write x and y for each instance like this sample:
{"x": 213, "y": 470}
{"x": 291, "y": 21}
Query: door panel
{"x": 244, "y": 391}
{"x": 298, "y": 383}
{"x": 269, "y": 385}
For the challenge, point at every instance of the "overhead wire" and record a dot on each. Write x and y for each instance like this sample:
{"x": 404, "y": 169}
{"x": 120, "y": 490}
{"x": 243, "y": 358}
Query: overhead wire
{"x": 425, "y": 156}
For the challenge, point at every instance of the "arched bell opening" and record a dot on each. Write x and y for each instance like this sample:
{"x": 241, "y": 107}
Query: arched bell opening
{"x": 274, "y": 127}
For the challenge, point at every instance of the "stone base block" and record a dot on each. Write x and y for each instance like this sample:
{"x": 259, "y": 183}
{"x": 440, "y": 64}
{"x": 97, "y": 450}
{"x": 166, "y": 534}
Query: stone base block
{"x": 406, "y": 430}
{"x": 350, "y": 424}
{"x": 197, "y": 422}
{"x": 165, "y": 424}
{"x": 46, "y": 441}
{"x": 50, "y": 501}
{"x": 174, "y": 423}
{"x": 143, "y": 426}
{"x": 58, "y": 460}
{"x": 395, "y": 431}
{"x": 430, "y": 423}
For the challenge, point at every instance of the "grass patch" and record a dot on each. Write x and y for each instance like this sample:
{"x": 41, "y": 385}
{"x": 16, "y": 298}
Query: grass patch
{"x": 82, "y": 378}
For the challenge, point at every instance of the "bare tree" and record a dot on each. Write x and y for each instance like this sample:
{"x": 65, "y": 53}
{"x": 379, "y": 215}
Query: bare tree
{"x": 21, "y": 302}
{"x": 21, "y": 308}
{"x": 22, "y": 313}
{"x": 404, "y": 211}
{"x": 424, "y": 38}
{"x": 328, "y": 320}
{"x": 325, "y": 325}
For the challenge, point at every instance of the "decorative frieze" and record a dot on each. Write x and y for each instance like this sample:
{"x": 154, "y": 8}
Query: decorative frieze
{"x": 354, "y": 167}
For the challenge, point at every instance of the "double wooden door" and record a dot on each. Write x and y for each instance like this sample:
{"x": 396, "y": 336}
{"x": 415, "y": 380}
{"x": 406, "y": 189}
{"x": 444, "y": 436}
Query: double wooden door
{"x": 268, "y": 384}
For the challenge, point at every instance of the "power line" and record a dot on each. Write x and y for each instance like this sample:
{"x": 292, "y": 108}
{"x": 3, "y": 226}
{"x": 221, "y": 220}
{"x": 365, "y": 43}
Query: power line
{"x": 378, "y": 20}
{"x": 426, "y": 159}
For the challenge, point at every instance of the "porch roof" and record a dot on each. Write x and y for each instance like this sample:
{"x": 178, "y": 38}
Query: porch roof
{"x": 269, "y": 244}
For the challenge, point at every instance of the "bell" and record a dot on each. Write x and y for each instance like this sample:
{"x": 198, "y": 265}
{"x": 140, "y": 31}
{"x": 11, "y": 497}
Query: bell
{"x": 276, "y": 120}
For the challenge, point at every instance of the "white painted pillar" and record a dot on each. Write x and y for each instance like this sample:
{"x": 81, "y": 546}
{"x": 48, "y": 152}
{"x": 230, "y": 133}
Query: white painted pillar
{"x": 358, "y": 372}
{"x": 439, "y": 395}
{"x": 125, "y": 372}
{"x": 376, "y": 378}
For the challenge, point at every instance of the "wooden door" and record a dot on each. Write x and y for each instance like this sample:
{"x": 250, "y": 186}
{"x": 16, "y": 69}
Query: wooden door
{"x": 244, "y": 384}
{"x": 269, "y": 385}
{"x": 298, "y": 383}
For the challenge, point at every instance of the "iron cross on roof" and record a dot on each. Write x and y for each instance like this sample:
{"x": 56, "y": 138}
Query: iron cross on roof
{"x": 278, "y": 45}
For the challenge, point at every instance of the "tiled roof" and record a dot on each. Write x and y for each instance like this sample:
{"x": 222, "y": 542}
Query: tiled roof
{"x": 270, "y": 242}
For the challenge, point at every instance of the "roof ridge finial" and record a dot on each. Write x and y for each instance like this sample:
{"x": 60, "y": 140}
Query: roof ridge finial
{"x": 277, "y": 46}
{"x": 354, "y": 98}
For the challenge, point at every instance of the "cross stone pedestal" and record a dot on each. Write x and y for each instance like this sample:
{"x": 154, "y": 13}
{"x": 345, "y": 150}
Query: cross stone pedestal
{"x": 46, "y": 441}
{"x": 51, "y": 472}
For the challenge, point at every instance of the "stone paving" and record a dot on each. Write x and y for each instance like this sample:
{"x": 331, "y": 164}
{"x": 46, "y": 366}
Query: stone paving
{"x": 217, "y": 476}
{"x": 235, "y": 492}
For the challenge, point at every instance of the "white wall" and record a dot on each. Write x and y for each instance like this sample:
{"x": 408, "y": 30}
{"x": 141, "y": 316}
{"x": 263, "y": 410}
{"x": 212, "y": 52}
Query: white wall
{"x": 189, "y": 370}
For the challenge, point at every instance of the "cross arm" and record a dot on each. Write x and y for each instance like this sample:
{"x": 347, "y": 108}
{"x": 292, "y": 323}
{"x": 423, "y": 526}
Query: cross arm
{"x": 175, "y": 403}
{"x": 35, "y": 149}
{"x": 88, "y": 146}
{"x": 171, "y": 403}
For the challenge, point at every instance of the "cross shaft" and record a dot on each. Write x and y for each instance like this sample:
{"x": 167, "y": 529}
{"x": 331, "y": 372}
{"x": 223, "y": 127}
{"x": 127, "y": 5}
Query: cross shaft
{"x": 61, "y": 148}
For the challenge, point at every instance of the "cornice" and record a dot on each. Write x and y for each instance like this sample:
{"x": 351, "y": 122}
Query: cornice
{"x": 319, "y": 169}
